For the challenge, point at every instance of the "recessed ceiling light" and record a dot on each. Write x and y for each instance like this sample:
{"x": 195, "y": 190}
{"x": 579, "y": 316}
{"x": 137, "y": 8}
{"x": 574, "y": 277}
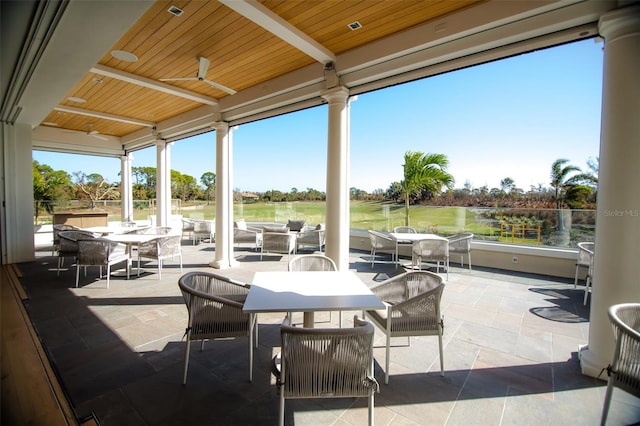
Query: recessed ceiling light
{"x": 355, "y": 25}
{"x": 78, "y": 100}
{"x": 50, "y": 123}
{"x": 174, "y": 10}
{"x": 123, "y": 55}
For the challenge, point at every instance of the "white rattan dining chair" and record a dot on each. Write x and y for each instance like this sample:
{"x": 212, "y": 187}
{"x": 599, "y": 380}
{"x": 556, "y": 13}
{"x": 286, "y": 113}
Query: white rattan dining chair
{"x": 100, "y": 252}
{"x": 161, "y": 248}
{"x": 68, "y": 244}
{"x": 624, "y": 370}
{"x": 326, "y": 363}
{"x": 214, "y": 303}
{"x": 434, "y": 250}
{"x": 461, "y": 244}
{"x": 61, "y": 227}
{"x": 413, "y": 309}
{"x": 586, "y": 253}
{"x": 405, "y": 230}
{"x": 313, "y": 262}
{"x": 381, "y": 243}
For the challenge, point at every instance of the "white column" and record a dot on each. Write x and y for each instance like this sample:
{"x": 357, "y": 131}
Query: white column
{"x": 163, "y": 180}
{"x": 126, "y": 195}
{"x": 337, "y": 226}
{"x": 618, "y": 214}
{"x": 167, "y": 188}
{"x": 16, "y": 193}
{"x": 224, "y": 197}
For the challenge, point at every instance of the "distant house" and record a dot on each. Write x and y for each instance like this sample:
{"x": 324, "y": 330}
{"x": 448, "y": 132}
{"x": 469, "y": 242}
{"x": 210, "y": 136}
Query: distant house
{"x": 248, "y": 196}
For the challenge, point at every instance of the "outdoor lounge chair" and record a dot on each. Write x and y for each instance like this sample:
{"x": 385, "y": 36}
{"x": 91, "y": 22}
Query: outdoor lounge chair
{"x": 246, "y": 234}
{"x": 214, "y": 304}
{"x": 277, "y": 240}
{"x": 203, "y": 229}
{"x": 326, "y": 363}
{"x": 381, "y": 242}
{"x": 187, "y": 228}
{"x": 413, "y": 309}
{"x": 311, "y": 237}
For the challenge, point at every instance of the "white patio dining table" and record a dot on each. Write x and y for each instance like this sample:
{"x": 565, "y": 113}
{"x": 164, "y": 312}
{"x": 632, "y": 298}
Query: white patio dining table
{"x": 131, "y": 240}
{"x": 308, "y": 292}
{"x": 410, "y": 238}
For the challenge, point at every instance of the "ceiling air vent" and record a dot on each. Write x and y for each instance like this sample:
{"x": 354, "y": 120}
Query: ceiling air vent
{"x": 355, "y": 25}
{"x": 174, "y": 10}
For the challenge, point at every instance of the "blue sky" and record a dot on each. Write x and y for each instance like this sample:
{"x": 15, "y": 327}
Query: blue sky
{"x": 509, "y": 118}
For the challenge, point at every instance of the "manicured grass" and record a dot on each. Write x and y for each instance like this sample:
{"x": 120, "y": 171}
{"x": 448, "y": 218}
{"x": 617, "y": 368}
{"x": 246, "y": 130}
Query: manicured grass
{"x": 364, "y": 215}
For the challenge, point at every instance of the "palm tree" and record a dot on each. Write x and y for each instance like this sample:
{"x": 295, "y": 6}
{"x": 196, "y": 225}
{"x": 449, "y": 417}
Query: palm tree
{"x": 567, "y": 182}
{"x": 562, "y": 180}
{"x": 424, "y": 172}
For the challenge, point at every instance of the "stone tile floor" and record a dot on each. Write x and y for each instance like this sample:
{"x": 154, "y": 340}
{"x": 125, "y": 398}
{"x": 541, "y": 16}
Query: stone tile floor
{"x": 511, "y": 343}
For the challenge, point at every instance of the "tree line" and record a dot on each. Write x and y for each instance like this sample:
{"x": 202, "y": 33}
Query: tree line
{"x": 425, "y": 181}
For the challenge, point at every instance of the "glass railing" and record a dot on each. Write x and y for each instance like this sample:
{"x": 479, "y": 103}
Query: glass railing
{"x": 541, "y": 227}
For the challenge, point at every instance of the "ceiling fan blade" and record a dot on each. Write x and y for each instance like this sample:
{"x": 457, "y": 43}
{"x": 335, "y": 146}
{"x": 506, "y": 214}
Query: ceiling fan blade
{"x": 221, "y": 87}
{"x": 104, "y": 138}
{"x": 204, "y": 67}
{"x": 180, "y": 79}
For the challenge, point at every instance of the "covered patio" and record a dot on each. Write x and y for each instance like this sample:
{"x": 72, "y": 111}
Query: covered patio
{"x": 52, "y": 62}
{"x": 511, "y": 352}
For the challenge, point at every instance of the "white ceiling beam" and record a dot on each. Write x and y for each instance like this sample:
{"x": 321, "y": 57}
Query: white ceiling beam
{"x": 104, "y": 115}
{"x": 276, "y": 25}
{"x": 152, "y": 84}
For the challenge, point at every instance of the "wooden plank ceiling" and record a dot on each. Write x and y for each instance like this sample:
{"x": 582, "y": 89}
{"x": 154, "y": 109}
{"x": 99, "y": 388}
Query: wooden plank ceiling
{"x": 242, "y": 54}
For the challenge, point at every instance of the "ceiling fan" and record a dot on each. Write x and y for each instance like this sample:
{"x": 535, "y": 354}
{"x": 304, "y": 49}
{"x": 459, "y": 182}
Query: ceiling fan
{"x": 94, "y": 133}
{"x": 202, "y": 76}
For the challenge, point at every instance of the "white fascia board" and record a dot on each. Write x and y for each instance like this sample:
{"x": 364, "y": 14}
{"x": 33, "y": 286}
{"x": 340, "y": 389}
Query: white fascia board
{"x": 276, "y": 25}
{"x": 274, "y": 88}
{"x": 59, "y": 140}
{"x": 484, "y": 17}
{"x": 152, "y": 84}
{"x": 511, "y": 37}
{"x": 309, "y": 94}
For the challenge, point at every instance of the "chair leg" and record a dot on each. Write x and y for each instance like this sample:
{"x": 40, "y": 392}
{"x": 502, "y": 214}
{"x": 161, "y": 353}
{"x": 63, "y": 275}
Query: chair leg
{"x": 108, "y": 273}
{"x": 251, "y": 331}
{"x": 386, "y": 360}
{"x": 575, "y": 280}
{"x": 441, "y": 352}
{"x": 607, "y": 403}
{"x": 77, "y": 274}
{"x": 186, "y": 360}
{"x": 371, "y": 422}
{"x": 469, "y": 260}
{"x": 281, "y": 411}
{"x": 586, "y": 289}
